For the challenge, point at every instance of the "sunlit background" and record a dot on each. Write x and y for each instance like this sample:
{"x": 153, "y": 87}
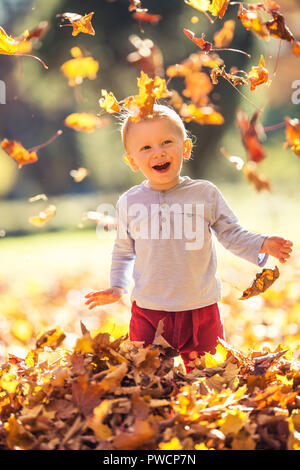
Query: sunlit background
{"x": 44, "y": 271}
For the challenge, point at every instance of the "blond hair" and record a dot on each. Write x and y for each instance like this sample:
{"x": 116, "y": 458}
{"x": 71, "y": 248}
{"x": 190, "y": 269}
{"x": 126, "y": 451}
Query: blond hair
{"x": 159, "y": 111}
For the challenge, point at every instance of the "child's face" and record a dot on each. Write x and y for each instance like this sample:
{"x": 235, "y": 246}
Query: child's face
{"x": 153, "y": 143}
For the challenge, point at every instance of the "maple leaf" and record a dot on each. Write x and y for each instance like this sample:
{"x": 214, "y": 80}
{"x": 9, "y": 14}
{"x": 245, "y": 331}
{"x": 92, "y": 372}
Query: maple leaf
{"x": 35, "y": 33}
{"x": 81, "y": 24}
{"x": 109, "y": 102}
{"x": 216, "y": 7}
{"x": 200, "y": 42}
{"x": 86, "y": 122}
{"x": 259, "y": 181}
{"x": 252, "y": 22}
{"x": 250, "y": 131}
{"x": 14, "y": 46}
{"x": 150, "y": 89}
{"x": 18, "y": 152}
{"x": 79, "y": 67}
{"x": 278, "y": 28}
{"x": 258, "y": 75}
{"x": 261, "y": 283}
{"x": 292, "y": 134}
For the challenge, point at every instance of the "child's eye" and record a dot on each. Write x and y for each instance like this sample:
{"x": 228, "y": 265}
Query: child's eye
{"x": 168, "y": 141}
{"x": 146, "y": 147}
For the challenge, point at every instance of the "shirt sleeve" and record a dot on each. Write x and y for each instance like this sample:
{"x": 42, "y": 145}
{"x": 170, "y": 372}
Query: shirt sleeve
{"x": 123, "y": 253}
{"x": 233, "y": 236}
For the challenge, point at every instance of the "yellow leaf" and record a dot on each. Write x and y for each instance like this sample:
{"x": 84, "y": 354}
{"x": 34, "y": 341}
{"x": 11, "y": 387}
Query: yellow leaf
{"x": 173, "y": 444}
{"x": 233, "y": 422}
{"x": 212, "y": 360}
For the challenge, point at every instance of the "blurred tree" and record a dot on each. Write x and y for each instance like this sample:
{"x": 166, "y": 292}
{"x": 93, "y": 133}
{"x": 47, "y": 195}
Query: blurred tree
{"x": 38, "y": 100}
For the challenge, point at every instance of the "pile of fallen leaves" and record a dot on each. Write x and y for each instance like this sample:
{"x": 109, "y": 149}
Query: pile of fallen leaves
{"x": 108, "y": 394}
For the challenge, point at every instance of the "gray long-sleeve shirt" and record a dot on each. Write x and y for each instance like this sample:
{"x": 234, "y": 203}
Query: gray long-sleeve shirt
{"x": 164, "y": 240}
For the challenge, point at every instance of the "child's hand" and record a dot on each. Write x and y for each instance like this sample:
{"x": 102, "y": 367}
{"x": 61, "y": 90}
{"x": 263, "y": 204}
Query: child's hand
{"x": 103, "y": 297}
{"x": 278, "y": 247}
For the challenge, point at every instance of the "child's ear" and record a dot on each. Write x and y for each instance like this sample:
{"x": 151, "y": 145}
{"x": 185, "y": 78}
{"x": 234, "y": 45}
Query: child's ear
{"x": 187, "y": 149}
{"x": 129, "y": 160}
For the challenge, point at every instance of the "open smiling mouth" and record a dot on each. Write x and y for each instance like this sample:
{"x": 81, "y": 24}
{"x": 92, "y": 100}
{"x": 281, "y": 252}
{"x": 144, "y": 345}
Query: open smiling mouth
{"x": 162, "y": 168}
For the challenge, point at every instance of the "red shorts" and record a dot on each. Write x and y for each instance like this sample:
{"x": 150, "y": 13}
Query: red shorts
{"x": 190, "y": 330}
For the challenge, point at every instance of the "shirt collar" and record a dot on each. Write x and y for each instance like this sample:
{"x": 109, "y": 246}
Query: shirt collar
{"x": 182, "y": 182}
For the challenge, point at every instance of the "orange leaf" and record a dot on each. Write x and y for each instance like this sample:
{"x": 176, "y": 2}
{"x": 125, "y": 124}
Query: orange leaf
{"x": 43, "y": 217}
{"x": 109, "y": 102}
{"x": 150, "y": 89}
{"x": 278, "y": 28}
{"x": 292, "y": 133}
{"x": 224, "y": 37}
{"x": 198, "y": 85}
{"x": 252, "y": 22}
{"x": 79, "y": 175}
{"x": 218, "y": 7}
{"x": 79, "y": 67}
{"x": 261, "y": 283}
{"x": 147, "y": 17}
{"x": 296, "y": 47}
{"x": 202, "y": 115}
{"x": 81, "y": 24}
{"x": 250, "y": 136}
{"x": 18, "y": 152}
{"x": 204, "y": 45}
{"x": 258, "y": 75}
{"x": 86, "y": 122}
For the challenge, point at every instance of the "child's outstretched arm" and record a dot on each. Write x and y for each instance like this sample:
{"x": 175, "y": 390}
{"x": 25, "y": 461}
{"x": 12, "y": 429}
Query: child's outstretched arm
{"x": 103, "y": 297}
{"x": 251, "y": 246}
{"x": 278, "y": 247}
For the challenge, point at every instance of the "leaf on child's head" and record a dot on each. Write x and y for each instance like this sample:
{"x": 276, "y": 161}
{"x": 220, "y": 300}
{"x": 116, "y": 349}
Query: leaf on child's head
{"x": 81, "y": 24}
{"x": 261, "y": 283}
{"x": 150, "y": 89}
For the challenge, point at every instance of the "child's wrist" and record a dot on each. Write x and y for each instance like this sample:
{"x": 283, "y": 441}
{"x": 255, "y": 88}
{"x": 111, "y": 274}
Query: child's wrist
{"x": 264, "y": 246}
